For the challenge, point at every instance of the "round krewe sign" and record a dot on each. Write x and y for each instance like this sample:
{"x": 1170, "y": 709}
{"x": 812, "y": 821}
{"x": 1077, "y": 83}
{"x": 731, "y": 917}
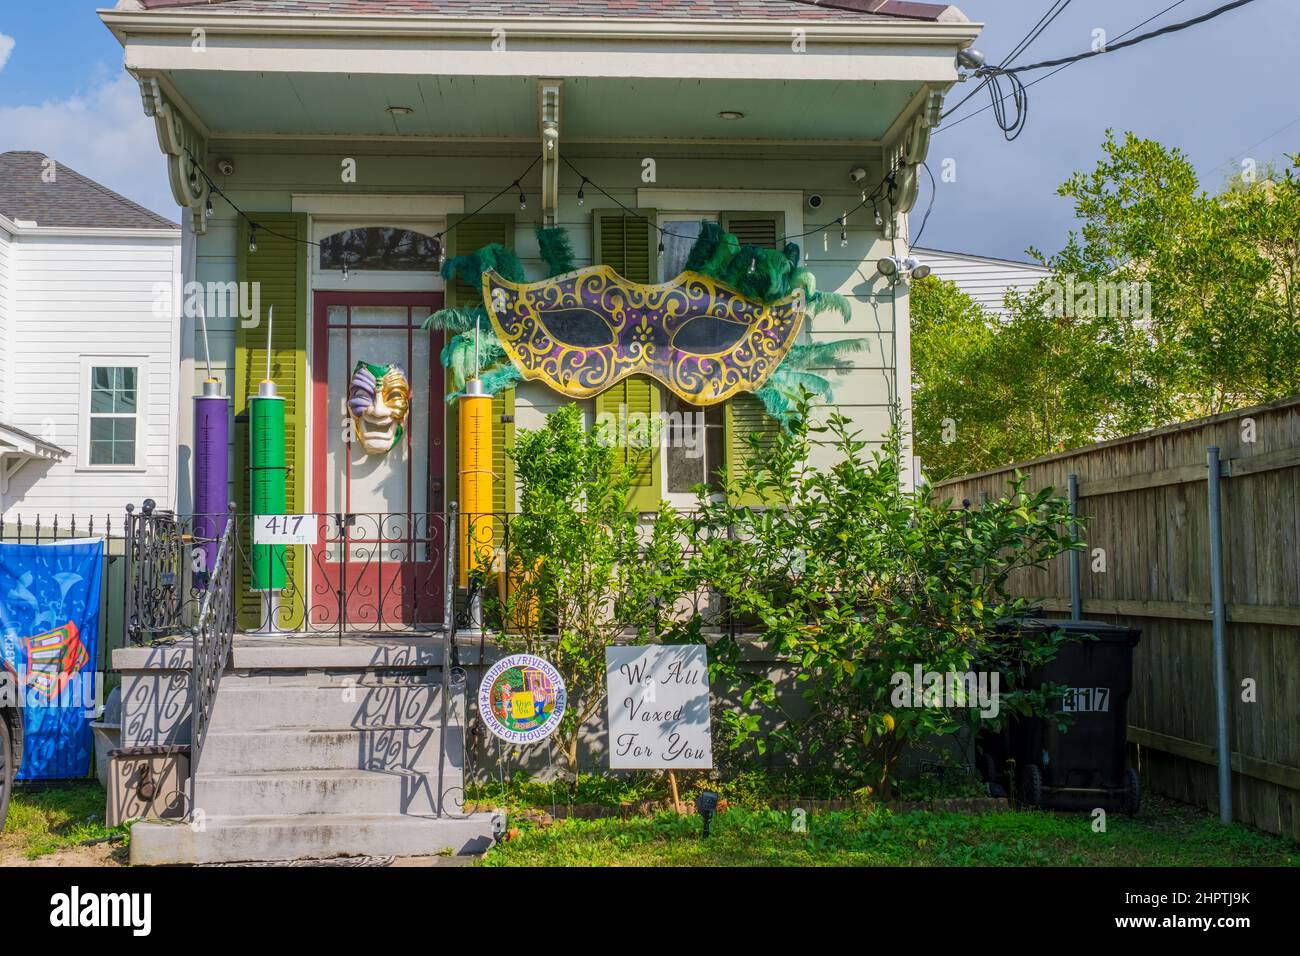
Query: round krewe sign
{"x": 521, "y": 698}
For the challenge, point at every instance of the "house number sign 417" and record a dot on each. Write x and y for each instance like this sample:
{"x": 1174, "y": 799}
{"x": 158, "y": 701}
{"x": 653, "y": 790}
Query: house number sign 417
{"x": 284, "y": 529}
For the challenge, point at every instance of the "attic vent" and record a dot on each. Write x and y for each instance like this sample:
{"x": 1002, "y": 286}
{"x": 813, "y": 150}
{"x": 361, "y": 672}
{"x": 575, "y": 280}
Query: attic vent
{"x": 754, "y": 232}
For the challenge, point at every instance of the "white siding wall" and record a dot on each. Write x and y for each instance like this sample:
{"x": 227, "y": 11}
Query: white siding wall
{"x": 73, "y": 299}
{"x": 984, "y": 280}
{"x": 6, "y": 246}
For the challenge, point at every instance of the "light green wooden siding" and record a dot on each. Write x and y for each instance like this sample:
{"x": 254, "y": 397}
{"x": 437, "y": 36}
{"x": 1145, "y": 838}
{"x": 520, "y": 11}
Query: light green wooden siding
{"x": 474, "y": 234}
{"x": 629, "y": 242}
{"x": 279, "y": 268}
{"x": 745, "y": 413}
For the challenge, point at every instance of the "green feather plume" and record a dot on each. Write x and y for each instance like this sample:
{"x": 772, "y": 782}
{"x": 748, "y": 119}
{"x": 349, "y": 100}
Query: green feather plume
{"x": 453, "y": 320}
{"x": 820, "y": 302}
{"x": 470, "y": 268}
{"x": 824, "y": 355}
{"x": 556, "y": 250}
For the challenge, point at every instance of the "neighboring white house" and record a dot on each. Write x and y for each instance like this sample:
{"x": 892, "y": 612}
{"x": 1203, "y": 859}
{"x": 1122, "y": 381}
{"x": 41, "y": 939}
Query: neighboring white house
{"x": 983, "y": 278}
{"x": 88, "y": 357}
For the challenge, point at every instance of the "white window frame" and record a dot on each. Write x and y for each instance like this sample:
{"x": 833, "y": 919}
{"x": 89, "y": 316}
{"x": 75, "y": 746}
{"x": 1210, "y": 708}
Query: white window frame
{"x": 681, "y": 499}
{"x": 141, "y": 365}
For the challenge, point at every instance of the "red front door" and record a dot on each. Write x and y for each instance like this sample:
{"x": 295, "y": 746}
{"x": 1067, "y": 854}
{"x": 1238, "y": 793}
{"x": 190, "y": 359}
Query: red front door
{"x": 378, "y": 491}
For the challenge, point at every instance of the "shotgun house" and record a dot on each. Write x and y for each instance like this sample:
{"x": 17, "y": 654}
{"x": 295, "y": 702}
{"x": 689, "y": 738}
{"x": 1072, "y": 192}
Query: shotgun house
{"x": 329, "y": 156}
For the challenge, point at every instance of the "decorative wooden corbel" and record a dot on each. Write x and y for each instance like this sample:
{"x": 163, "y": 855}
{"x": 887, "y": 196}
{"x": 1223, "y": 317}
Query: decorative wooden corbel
{"x": 549, "y": 129}
{"x": 179, "y": 140}
{"x": 904, "y": 154}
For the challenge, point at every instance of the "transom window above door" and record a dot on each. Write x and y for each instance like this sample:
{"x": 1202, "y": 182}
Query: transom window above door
{"x": 379, "y": 249}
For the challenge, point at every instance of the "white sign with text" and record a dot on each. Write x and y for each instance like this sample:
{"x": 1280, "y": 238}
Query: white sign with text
{"x": 284, "y": 529}
{"x": 658, "y": 707}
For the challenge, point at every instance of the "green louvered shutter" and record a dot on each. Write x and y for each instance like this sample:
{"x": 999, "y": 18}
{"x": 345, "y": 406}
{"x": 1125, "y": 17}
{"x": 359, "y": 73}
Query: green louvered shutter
{"x": 629, "y": 242}
{"x": 745, "y": 413}
{"x": 279, "y": 267}
{"x": 475, "y": 234}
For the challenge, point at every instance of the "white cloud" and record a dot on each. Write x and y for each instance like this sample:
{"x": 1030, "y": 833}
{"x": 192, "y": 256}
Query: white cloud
{"x": 104, "y": 135}
{"x": 6, "y": 48}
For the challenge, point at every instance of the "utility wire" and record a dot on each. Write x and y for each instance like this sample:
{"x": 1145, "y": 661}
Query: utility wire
{"x": 1040, "y": 79}
{"x": 913, "y": 242}
{"x": 1112, "y": 47}
{"x": 1034, "y": 33}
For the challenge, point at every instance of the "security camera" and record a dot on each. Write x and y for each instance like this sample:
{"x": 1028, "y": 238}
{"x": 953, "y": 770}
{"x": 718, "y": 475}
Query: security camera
{"x": 225, "y": 167}
{"x": 815, "y": 201}
{"x": 857, "y": 174}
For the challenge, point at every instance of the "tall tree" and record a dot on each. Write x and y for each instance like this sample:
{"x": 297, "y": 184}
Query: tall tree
{"x": 1166, "y": 304}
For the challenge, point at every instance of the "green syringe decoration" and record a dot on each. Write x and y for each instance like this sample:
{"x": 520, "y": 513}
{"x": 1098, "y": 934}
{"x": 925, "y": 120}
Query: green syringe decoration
{"x": 266, "y": 460}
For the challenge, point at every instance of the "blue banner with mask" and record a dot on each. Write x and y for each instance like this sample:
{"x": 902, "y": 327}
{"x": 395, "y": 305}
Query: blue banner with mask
{"x": 49, "y": 649}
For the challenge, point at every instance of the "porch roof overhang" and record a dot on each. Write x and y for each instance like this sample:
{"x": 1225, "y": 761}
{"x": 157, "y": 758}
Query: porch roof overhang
{"x": 208, "y": 74}
{"x": 18, "y": 447}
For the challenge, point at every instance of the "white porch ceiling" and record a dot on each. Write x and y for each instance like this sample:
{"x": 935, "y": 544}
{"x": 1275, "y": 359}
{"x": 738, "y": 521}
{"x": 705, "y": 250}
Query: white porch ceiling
{"x": 306, "y": 104}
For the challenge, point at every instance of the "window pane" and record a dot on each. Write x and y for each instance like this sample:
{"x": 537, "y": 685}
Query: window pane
{"x": 112, "y": 441}
{"x": 101, "y": 400}
{"x": 126, "y": 390}
{"x": 715, "y": 455}
{"x": 678, "y": 237}
{"x": 113, "y": 389}
{"x": 379, "y": 248}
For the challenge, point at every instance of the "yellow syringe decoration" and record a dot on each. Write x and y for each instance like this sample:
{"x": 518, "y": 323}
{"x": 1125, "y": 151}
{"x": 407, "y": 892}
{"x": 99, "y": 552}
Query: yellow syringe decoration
{"x": 476, "y": 522}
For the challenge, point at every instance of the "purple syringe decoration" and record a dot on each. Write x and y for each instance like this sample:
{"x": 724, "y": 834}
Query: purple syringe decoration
{"x": 211, "y": 467}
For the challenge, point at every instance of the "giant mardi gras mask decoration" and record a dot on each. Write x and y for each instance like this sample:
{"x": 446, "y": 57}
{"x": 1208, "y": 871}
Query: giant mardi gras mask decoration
{"x": 583, "y": 331}
{"x": 379, "y": 399}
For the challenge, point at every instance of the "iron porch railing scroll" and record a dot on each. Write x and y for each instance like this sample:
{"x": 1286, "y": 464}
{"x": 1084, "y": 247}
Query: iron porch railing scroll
{"x": 212, "y": 638}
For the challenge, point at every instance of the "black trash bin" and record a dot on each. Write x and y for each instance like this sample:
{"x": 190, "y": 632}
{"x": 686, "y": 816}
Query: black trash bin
{"x": 1085, "y": 765}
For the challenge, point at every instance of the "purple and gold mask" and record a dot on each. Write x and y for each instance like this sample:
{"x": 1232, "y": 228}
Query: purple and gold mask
{"x": 583, "y": 331}
{"x": 379, "y": 398}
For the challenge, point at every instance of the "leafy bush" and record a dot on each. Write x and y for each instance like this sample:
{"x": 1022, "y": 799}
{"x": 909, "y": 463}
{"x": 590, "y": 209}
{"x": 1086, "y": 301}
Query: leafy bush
{"x": 855, "y": 580}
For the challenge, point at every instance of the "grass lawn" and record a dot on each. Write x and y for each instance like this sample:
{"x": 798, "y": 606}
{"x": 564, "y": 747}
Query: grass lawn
{"x": 1164, "y": 834}
{"x": 43, "y": 820}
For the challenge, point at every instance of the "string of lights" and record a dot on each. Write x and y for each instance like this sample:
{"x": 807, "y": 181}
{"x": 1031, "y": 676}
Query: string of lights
{"x": 197, "y": 170}
{"x": 868, "y": 198}
{"x": 886, "y": 184}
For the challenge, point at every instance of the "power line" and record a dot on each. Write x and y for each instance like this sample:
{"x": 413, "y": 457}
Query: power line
{"x": 1047, "y": 76}
{"x": 1034, "y": 33}
{"x": 1112, "y": 47}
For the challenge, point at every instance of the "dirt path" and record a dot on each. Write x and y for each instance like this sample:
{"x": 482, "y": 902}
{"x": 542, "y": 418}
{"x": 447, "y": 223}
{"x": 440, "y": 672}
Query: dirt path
{"x": 100, "y": 854}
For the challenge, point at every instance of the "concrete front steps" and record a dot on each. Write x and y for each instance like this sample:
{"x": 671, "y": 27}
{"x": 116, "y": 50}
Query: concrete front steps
{"x": 312, "y": 762}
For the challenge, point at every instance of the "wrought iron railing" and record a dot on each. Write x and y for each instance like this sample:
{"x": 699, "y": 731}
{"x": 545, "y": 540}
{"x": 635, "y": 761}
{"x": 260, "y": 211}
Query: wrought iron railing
{"x": 212, "y": 637}
{"x": 161, "y": 596}
{"x": 366, "y": 573}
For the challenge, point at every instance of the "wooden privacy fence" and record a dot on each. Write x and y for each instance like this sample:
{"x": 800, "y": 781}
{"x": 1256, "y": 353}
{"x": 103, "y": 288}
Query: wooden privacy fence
{"x": 1147, "y": 564}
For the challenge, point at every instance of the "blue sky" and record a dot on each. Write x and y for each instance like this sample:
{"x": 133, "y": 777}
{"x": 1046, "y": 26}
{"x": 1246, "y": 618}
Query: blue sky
{"x": 1218, "y": 91}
